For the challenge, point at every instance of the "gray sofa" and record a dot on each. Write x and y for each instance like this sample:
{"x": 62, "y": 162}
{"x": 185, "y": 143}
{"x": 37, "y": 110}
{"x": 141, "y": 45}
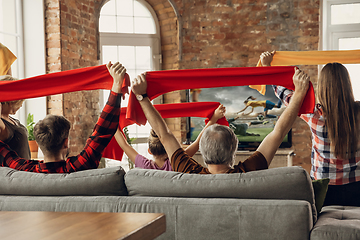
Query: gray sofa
{"x": 269, "y": 204}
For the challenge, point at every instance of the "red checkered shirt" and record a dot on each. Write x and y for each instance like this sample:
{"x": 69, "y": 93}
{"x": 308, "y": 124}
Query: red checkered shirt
{"x": 89, "y": 158}
{"x": 323, "y": 160}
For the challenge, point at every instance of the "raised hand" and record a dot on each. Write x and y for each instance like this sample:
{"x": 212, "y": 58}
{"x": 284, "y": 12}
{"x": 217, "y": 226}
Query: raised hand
{"x": 301, "y": 81}
{"x": 117, "y": 71}
{"x": 266, "y": 58}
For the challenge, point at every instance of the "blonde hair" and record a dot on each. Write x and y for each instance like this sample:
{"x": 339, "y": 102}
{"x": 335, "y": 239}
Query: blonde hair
{"x": 335, "y": 94}
{"x": 11, "y": 78}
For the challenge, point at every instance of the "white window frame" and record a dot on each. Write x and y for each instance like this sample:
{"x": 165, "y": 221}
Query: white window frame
{"x": 332, "y": 33}
{"x": 135, "y": 39}
{"x": 19, "y": 39}
{"x": 31, "y": 58}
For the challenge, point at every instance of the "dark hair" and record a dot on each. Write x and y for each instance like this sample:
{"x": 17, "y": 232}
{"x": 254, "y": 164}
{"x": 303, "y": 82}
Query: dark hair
{"x": 155, "y": 146}
{"x": 250, "y": 97}
{"x": 337, "y": 101}
{"x": 51, "y": 132}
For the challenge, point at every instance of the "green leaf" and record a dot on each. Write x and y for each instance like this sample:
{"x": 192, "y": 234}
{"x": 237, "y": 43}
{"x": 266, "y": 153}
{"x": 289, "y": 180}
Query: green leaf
{"x": 30, "y": 126}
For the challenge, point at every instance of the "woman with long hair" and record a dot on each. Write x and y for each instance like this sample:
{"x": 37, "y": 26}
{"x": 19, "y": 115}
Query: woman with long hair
{"x": 335, "y": 129}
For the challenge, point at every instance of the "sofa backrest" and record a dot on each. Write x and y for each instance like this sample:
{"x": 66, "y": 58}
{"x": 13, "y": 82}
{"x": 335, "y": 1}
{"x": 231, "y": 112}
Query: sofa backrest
{"x": 103, "y": 182}
{"x": 278, "y": 183}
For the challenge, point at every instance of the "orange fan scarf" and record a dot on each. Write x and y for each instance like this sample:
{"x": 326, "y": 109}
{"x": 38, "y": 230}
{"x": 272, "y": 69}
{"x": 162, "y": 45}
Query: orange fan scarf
{"x": 291, "y": 58}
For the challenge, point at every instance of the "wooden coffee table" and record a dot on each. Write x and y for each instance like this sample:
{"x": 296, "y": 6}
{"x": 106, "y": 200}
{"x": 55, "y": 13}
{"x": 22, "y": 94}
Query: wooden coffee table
{"x": 80, "y": 225}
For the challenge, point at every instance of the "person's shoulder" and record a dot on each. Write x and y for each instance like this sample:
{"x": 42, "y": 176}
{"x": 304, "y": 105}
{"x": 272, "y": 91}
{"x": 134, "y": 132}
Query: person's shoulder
{"x": 256, "y": 161}
{"x": 178, "y": 153}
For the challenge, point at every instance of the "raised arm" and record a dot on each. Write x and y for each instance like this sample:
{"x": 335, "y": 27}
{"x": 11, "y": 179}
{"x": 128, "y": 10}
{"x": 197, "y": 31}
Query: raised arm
{"x": 105, "y": 127}
{"x": 218, "y": 113}
{"x": 154, "y": 118}
{"x": 271, "y": 143}
{"x": 242, "y": 110}
{"x": 129, "y": 150}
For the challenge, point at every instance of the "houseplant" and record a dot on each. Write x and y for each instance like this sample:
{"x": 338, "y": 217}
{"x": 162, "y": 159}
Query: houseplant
{"x": 31, "y": 138}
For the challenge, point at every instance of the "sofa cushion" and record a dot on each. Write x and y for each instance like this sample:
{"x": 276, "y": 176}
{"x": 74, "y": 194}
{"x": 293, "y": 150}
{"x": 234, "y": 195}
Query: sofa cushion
{"x": 278, "y": 183}
{"x": 105, "y": 181}
{"x": 337, "y": 222}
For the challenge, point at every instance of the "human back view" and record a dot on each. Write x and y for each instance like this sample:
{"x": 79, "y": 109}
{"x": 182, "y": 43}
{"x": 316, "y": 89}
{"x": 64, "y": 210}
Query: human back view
{"x": 340, "y": 158}
{"x": 335, "y": 129}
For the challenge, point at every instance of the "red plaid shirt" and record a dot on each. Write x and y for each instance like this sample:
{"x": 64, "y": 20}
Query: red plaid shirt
{"x": 323, "y": 160}
{"x": 89, "y": 158}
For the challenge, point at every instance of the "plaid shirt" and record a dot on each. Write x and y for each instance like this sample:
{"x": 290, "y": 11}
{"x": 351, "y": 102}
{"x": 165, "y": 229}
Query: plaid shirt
{"x": 89, "y": 158}
{"x": 324, "y": 163}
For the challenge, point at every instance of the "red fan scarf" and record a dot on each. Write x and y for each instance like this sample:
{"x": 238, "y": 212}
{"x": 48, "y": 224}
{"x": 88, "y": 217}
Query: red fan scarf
{"x": 159, "y": 82}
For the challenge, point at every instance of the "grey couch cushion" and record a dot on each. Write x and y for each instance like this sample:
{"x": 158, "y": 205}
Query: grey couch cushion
{"x": 337, "y": 222}
{"x": 106, "y": 181}
{"x": 278, "y": 183}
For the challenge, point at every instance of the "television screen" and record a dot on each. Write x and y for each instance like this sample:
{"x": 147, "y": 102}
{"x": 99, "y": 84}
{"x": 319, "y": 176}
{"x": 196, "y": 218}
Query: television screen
{"x": 251, "y": 120}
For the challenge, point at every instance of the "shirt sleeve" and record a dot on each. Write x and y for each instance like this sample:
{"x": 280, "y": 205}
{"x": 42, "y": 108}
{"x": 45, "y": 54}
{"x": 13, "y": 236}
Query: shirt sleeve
{"x": 104, "y": 130}
{"x": 283, "y": 94}
{"x": 181, "y": 162}
{"x": 255, "y": 162}
{"x": 9, "y": 158}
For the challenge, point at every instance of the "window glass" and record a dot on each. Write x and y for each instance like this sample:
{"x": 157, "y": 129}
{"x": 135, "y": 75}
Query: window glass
{"x": 140, "y": 10}
{"x": 9, "y": 34}
{"x": 354, "y": 69}
{"x": 8, "y": 16}
{"x": 107, "y": 23}
{"x": 125, "y": 24}
{"x": 143, "y": 57}
{"x": 125, "y": 7}
{"x": 345, "y": 13}
{"x": 144, "y": 25}
{"x": 126, "y": 16}
{"x": 349, "y": 43}
{"x": 127, "y": 54}
{"x": 109, "y": 53}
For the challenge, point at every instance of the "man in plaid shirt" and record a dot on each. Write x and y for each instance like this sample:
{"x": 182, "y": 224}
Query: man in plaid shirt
{"x": 52, "y": 134}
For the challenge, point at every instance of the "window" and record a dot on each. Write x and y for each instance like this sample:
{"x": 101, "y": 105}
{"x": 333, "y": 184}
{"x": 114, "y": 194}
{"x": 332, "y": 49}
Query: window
{"x": 22, "y": 31}
{"x": 341, "y": 31}
{"x": 11, "y": 33}
{"x": 129, "y": 33}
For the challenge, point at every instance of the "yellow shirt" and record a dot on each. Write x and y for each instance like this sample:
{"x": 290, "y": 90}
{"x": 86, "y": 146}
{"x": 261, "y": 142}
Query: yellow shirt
{"x": 256, "y": 103}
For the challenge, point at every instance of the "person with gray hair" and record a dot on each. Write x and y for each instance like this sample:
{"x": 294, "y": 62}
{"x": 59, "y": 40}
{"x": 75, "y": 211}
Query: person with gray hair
{"x": 12, "y": 132}
{"x": 219, "y": 143}
{"x": 225, "y": 142}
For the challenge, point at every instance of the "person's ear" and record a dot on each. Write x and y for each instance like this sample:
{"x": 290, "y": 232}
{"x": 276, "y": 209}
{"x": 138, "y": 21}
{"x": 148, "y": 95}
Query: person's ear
{"x": 66, "y": 143}
{"x": 149, "y": 151}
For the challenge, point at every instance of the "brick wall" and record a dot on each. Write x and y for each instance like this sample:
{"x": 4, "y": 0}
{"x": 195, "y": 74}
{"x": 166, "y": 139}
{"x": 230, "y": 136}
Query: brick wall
{"x": 233, "y": 33}
{"x": 71, "y": 43}
{"x": 194, "y": 34}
